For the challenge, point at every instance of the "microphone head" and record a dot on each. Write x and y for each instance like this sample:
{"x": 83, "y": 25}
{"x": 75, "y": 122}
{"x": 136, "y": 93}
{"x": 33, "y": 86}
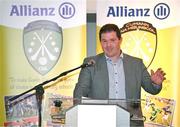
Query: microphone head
{"x": 91, "y": 62}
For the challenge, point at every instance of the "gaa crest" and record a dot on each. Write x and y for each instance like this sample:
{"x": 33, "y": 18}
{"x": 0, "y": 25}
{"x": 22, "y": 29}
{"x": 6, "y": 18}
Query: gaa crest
{"x": 140, "y": 40}
{"x": 42, "y": 42}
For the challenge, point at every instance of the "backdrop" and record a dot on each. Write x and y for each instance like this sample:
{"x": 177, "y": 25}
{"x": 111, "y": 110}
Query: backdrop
{"x": 38, "y": 41}
{"x": 150, "y": 30}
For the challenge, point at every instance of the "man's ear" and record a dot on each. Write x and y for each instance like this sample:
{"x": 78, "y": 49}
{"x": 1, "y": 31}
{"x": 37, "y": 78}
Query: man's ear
{"x": 120, "y": 40}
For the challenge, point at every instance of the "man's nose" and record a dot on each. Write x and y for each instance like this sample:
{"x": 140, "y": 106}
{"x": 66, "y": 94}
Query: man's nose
{"x": 108, "y": 44}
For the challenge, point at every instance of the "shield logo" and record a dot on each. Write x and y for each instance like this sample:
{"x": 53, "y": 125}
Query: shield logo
{"x": 140, "y": 40}
{"x": 42, "y": 41}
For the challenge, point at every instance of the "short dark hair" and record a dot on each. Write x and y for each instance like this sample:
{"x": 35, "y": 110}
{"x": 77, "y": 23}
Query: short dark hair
{"x": 110, "y": 28}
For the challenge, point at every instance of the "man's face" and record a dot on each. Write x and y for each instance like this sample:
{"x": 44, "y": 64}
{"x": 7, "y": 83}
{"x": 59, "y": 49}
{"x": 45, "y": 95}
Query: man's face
{"x": 110, "y": 44}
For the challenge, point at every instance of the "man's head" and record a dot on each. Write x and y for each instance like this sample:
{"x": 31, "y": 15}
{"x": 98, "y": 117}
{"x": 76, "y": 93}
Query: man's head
{"x": 110, "y": 38}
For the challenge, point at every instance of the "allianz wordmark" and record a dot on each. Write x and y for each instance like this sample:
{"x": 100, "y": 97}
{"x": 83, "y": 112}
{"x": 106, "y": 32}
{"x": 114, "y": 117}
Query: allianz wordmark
{"x": 160, "y": 11}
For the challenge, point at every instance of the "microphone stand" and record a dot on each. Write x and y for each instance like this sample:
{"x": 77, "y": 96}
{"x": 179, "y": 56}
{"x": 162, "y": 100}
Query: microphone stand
{"x": 39, "y": 90}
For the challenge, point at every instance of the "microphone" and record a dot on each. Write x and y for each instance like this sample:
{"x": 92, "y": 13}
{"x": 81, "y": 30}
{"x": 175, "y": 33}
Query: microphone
{"x": 91, "y": 62}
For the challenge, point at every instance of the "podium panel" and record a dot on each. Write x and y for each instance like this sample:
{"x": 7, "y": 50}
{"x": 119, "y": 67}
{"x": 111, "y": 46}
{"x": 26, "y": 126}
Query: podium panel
{"x": 97, "y": 116}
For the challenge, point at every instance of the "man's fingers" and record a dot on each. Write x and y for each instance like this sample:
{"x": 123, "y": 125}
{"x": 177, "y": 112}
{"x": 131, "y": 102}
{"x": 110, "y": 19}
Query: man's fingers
{"x": 152, "y": 72}
{"x": 159, "y": 69}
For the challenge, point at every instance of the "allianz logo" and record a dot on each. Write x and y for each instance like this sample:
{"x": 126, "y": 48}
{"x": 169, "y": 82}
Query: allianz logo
{"x": 160, "y": 11}
{"x": 66, "y": 10}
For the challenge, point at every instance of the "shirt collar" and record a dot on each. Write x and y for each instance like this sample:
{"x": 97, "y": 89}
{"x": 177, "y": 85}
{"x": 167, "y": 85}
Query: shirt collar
{"x": 120, "y": 57}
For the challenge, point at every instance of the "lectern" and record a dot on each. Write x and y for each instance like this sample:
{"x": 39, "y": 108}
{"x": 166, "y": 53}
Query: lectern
{"x": 97, "y": 115}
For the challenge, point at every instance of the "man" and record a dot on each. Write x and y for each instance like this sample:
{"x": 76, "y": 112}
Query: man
{"x": 116, "y": 75}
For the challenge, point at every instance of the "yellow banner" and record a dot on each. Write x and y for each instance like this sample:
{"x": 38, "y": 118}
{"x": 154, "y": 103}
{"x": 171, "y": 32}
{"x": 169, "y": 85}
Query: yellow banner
{"x": 38, "y": 41}
{"x": 150, "y": 31}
